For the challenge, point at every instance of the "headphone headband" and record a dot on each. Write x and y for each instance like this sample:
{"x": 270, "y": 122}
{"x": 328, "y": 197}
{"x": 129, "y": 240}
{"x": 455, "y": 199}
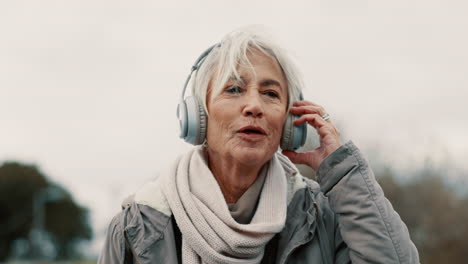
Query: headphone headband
{"x": 196, "y": 66}
{"x": 193, "y": 119}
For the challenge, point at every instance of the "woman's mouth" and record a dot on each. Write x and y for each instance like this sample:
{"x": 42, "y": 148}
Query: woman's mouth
{"x": 252, "y": 133}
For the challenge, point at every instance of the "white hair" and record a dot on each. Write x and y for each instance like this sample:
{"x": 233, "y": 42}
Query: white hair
{"x": 223, "y": 61}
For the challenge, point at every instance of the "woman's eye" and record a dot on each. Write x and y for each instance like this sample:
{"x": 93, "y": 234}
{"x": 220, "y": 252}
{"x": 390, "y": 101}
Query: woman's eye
{"x": 272, "y": 94}
{"x": 233, "y": 89}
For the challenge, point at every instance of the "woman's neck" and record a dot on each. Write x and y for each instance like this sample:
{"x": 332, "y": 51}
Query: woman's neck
{"x": 233, "y": 178}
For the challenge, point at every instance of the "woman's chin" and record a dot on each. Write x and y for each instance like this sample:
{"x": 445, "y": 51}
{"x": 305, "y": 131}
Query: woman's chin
{"x": 252, "y": 155}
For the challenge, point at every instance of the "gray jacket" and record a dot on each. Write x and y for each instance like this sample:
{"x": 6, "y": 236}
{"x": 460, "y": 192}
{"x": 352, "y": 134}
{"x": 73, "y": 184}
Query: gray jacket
{"x": 345, "y": 219}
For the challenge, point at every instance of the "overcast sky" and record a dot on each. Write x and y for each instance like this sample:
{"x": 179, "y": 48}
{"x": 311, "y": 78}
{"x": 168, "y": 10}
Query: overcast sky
{"x": 88, "y": 89}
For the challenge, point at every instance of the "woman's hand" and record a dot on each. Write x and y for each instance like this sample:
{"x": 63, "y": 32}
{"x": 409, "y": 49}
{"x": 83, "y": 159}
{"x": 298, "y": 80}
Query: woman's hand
{"x": 329, "y": 136}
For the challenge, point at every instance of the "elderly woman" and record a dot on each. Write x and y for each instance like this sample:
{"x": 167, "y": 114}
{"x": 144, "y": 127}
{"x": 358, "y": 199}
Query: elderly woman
{"x": 235, "y": 198}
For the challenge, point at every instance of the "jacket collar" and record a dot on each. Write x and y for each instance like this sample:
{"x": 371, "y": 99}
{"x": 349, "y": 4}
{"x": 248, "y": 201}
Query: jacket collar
{"x": 147, "y": 217}
{"x": 146, "y": 229}
{"x": 300, "y": 224}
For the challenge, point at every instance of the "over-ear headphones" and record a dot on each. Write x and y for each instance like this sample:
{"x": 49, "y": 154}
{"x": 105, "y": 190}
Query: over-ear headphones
{"x": 193, "y": 119}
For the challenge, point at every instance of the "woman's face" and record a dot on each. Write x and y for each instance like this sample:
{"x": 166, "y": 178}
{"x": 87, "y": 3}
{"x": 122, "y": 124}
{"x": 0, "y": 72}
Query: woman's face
{"x": 246, "y": 119}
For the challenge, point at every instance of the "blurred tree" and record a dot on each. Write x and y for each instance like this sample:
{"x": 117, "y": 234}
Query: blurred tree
{"x": 25, "y": 199}
{"x": 69, "y": 224}
{"x": 436, "y": 216}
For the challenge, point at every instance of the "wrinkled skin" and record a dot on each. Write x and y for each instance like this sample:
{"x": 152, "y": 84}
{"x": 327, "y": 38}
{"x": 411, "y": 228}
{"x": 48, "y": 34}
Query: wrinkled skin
{"x": 245, "y": 123}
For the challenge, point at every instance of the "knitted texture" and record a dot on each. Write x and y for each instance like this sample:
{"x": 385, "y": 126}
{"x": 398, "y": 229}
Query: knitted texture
{"x": 209, "y": 233}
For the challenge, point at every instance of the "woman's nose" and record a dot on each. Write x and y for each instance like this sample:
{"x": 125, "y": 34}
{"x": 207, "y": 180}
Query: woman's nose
{"x": 253, "y": 107}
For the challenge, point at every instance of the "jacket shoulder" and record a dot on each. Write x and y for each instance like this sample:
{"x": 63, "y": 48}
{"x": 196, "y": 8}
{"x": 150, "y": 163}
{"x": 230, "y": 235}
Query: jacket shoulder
{"x": 114, "y": 244}
{"x": 136, "y": 228}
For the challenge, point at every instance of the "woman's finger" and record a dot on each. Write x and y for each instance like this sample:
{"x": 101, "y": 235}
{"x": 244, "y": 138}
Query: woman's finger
{"x": 307, "y": 109}
{"x": 305, "y": 102}
{"x": 313, "y": 114}
{"x": 323, "y": 127}
{"x": 314, "y": 120}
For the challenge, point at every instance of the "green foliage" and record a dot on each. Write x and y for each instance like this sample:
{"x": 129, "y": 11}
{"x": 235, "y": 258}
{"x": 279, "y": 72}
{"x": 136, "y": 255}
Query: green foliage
{"x": 21, "y": 186}
{"x": 17, "y": 186}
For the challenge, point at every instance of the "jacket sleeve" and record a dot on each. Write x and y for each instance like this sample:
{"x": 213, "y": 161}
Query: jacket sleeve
{"x": 114, "y": 245}
{"x": 369, "y": 227}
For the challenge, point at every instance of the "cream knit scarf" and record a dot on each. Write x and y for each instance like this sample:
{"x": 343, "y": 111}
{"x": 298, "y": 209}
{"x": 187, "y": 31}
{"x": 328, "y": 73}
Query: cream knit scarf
{"x": 209, "y": 233}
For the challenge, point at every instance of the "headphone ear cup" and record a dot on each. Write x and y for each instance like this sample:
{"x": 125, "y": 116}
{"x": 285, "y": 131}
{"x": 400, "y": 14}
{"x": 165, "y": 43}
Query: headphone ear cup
{"x": 287, "y": 133}
{"x": 293, "y": 137}
{"x": 182, "y": 116}
{"x": 202, "y": 123}
{"x": 193, "y": 123}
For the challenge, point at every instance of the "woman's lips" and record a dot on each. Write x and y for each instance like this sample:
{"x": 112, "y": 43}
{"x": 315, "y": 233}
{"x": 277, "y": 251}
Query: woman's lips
{"x": 251, "y": 136}
{"x": 252, "y": 133}
{"x": 252, "y": 129}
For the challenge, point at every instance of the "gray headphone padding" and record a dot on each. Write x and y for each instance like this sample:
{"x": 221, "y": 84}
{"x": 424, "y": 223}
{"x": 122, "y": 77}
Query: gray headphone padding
{"x": 182, "y": 116}
{"x": 202, "y": 123}
{"x": 287, "y": 133}
{"x": 293, "y": 137}
{"x": 194, "y": 120}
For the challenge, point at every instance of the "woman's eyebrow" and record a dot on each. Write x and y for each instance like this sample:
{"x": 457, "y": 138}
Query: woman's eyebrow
{"x": 264, "y": 83}
{"x": 270, "y": 82}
